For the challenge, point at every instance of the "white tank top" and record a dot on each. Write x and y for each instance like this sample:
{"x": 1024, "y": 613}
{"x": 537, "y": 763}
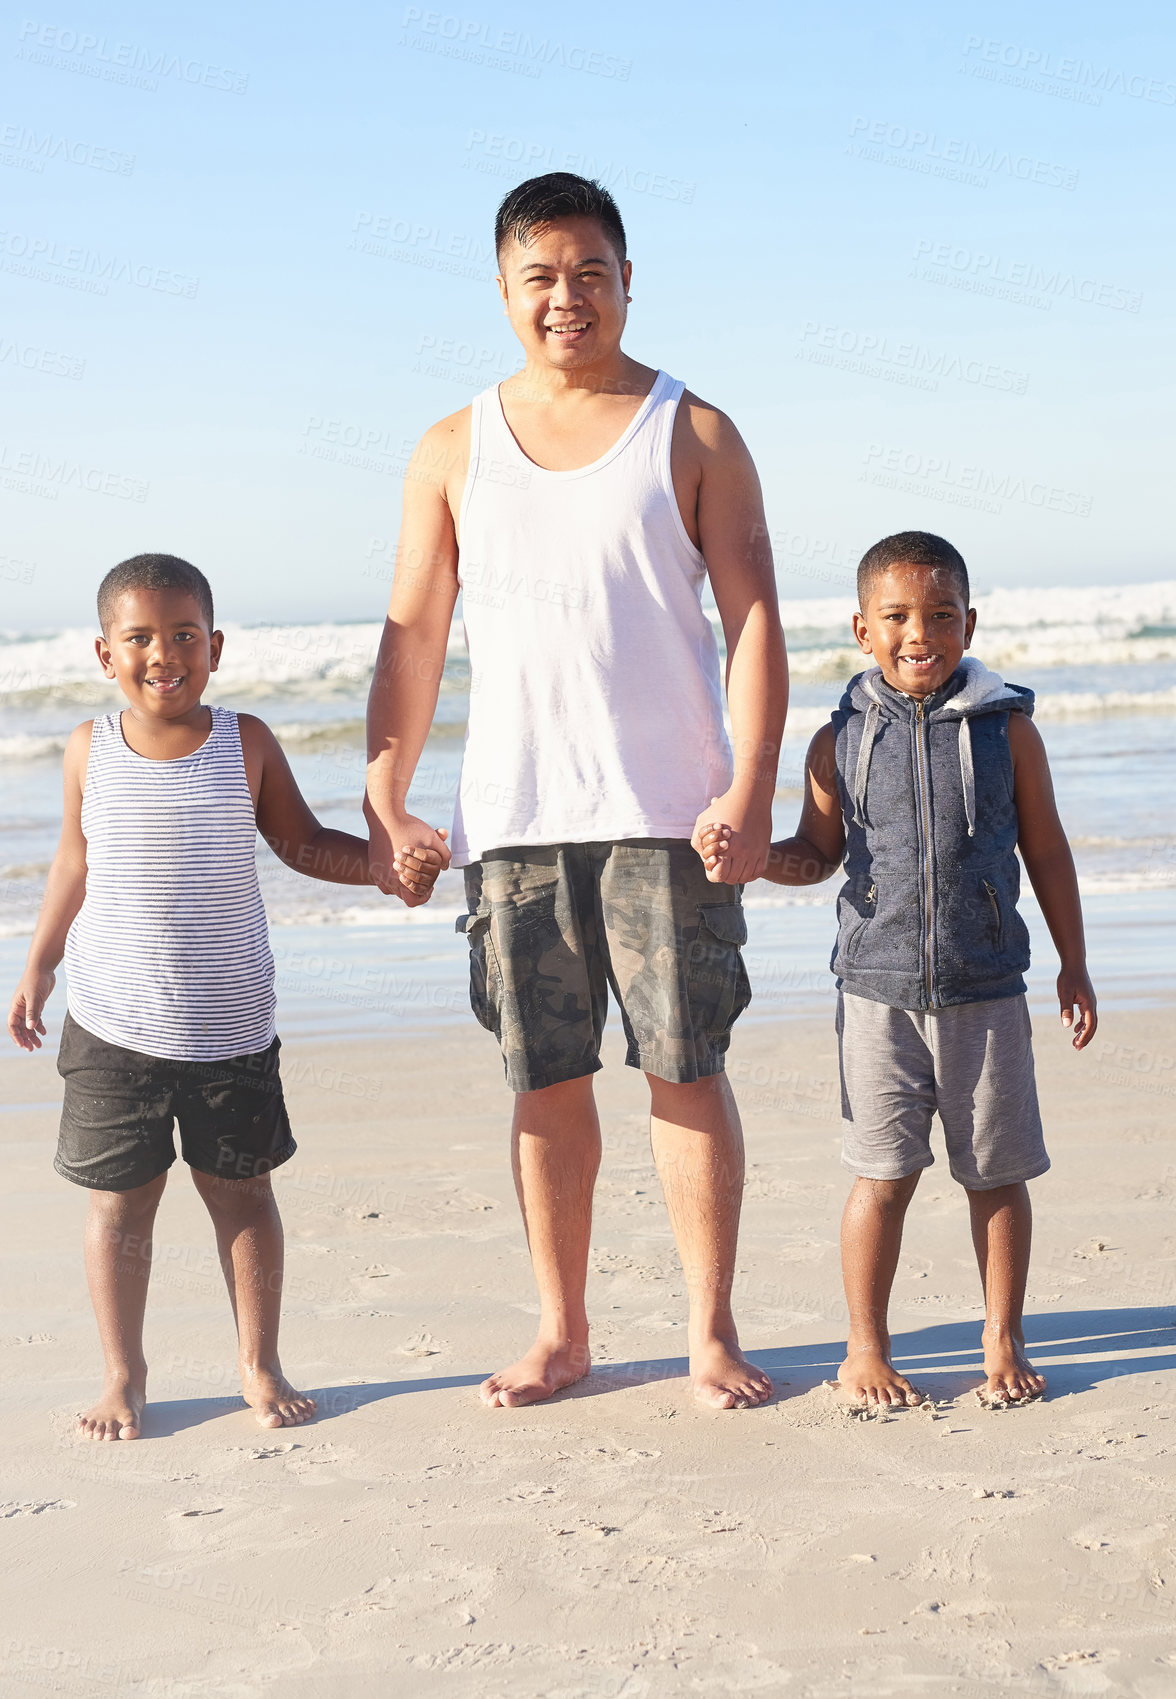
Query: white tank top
{"x": 169, "y": 954}
{"x": 596, "y": 710}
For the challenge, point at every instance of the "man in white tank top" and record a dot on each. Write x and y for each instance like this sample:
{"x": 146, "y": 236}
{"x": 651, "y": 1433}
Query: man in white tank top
{"x": 579, "y": 508}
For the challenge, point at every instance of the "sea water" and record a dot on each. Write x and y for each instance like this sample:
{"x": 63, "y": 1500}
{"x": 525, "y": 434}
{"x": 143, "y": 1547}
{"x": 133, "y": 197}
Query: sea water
{"x": 1102, "y": 662}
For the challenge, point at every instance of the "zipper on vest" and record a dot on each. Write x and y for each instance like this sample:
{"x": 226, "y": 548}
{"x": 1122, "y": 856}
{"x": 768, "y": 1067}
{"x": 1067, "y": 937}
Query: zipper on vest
{"x": 996, "y": 914}
{"x": 922, "y": 789}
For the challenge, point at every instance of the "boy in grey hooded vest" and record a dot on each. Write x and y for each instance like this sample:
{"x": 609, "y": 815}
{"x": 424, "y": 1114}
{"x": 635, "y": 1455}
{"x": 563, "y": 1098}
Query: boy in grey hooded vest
{"x": 929, "y": 778}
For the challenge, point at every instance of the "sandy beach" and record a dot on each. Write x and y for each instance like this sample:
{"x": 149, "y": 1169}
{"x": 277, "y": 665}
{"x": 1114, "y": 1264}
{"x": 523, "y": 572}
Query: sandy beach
{"x": 617, "y": 1541}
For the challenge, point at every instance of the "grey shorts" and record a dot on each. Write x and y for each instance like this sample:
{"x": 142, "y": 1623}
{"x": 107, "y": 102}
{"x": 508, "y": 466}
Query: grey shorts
{"x": 550, "y": 929}
{"x": 973, "y": 1063}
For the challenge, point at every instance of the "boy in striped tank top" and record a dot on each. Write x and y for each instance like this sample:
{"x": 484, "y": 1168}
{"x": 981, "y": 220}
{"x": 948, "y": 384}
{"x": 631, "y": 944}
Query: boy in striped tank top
{"x": 153, "y": 901}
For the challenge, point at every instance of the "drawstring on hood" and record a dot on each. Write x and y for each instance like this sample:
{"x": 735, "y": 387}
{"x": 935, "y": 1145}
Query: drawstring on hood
{"x": 862, "y": 770}
{"x": 979, "y": 691}
{"x": 968, "y": 774}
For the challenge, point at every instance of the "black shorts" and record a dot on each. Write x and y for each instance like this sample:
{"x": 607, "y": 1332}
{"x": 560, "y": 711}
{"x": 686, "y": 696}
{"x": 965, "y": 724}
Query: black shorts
{"x": 120, "y": 1107}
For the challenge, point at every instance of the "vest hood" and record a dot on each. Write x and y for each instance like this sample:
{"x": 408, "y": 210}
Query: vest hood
{"x": 973, "y": 689}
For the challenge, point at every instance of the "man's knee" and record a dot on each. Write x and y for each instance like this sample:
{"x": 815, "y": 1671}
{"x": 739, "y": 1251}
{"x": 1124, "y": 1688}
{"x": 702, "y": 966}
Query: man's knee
{"x": 888, "y": 1194}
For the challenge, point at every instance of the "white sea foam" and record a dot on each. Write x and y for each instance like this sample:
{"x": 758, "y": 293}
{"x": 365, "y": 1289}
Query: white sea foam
{"x": 1108, "y": 625}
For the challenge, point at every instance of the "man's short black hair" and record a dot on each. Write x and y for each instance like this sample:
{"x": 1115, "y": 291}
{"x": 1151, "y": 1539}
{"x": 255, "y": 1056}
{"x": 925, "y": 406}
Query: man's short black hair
{"x": 920, "y": 548}
{"x": 152, "y": 572}
{"x": 545, "y": 200}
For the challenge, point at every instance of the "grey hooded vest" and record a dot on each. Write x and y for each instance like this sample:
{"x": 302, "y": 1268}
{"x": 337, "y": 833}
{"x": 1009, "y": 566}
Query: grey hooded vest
{"x": 928, "y": 916}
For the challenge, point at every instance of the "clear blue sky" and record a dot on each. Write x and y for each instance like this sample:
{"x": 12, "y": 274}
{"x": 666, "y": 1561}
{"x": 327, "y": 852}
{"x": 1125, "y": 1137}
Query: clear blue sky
{"x": 928, "y": 295}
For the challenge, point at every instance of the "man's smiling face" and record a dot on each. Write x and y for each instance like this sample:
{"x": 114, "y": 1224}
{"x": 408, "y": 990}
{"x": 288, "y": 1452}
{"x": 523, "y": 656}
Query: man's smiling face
{"x": 565, "y": 292}
{"x": 160, "y": 651}
{"x": 916, "y": 625}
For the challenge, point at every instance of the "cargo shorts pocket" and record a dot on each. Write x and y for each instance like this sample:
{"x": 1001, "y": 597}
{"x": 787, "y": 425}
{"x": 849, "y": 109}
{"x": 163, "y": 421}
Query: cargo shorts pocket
{"x": 485, "y": 979}
{"x": 716, "y": 974}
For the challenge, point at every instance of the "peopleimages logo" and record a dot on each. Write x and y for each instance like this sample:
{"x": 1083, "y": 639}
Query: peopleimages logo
{"x": 26, "y": 147}
{"x": 940, "y": 478}
{"x": 83, "y": 268}
{"x": 954, "y": 157}
{"x": 119, "y": 61}
{"x": 453, "y": 37}
{"x": 1028, "y": 66}
{"x": 983, "y": 273}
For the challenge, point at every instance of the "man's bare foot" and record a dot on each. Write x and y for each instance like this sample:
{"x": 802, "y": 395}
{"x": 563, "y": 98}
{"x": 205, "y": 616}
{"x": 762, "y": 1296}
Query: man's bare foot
{"x": 274, "y": 1402}
{"x": 545, "y": 1369}
{"x": 867, "y": 1376}
{"x": 723, "y": 1378}
{"x": 1010, "y": 1375}
{"x": 118, "y": 1414}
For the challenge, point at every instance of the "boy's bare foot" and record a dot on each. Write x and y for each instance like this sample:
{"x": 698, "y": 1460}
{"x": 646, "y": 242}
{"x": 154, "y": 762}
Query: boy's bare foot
{"x": 1010, "y": 1374}
{"x": 868, "y": 1376}
{"x": 723, "y": 1378}
{"x": 274, "y": 1402}
{"x": 544, "y": 1370}
{"x": 118, "y": 1414}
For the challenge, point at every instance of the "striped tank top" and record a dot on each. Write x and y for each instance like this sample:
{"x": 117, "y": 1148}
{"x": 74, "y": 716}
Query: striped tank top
{"x": 169, "y": 954}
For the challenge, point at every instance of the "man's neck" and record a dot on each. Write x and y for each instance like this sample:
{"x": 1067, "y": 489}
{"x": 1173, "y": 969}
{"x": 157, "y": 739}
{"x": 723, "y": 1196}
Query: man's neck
{"x": 544, "y": 385}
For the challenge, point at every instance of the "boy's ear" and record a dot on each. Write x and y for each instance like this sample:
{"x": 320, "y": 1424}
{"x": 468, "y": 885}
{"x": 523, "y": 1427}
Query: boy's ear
{"x": 969, "y": 627}
{"x": 862, "y": 634}
{"x": 102, "y": 650}
{"x": 215, "y": 644}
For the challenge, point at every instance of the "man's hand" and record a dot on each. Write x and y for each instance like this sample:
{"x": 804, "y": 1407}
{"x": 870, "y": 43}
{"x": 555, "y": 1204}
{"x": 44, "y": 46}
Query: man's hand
{"x": 417, "y": 869}
{"x": 397, "y": 840}
{"x": 740, "y": 853}
{"x": 1074, "y": 988}
{"x": 24, "y": 1015}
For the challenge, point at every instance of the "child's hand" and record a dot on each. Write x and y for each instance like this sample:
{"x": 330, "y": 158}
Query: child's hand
{"x": 417, "y": 868}
{"x": 713, "y": 845}
{"x": 1074, "y": 987}
{"x": 24, "y": 1016}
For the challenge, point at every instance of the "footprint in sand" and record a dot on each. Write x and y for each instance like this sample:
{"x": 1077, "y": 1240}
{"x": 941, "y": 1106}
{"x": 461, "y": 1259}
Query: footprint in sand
{"x": 421, "y": 1344}
{"x": 34, "y": 1506}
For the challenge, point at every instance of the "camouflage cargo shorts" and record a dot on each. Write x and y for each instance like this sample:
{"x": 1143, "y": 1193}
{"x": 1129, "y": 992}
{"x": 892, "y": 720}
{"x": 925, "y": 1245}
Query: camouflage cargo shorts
{"x": 551, "y": 928}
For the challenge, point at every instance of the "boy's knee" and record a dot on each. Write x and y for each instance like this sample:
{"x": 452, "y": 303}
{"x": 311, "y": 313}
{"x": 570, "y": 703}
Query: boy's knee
{"x": 119, "y": 1208}
{"x": 236, "y": 1198}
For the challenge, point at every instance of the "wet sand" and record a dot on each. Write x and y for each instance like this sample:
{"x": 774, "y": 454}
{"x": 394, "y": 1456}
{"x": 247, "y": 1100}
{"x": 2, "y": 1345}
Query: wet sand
{"x": 617, "y": 1541}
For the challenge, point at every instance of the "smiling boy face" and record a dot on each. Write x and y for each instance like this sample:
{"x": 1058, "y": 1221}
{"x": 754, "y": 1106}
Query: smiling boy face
{"x": 916, "y": 625}
{"x": 159, "y": 649}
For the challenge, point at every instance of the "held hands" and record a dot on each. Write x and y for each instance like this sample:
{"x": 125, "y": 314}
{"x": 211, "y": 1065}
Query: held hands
{"x": 24, "y": 1015}
{"x": 1074, "y": 987}
{"x": 417, "y": 868}
{"x": 732, "y": 841}
{"x": 405, "y": 855}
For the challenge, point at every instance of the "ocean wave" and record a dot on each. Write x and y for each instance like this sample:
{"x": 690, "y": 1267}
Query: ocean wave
{"x": 30, "y": 748}
{"x": 1119, "y": 625}
{"x": 1100, "y": 704}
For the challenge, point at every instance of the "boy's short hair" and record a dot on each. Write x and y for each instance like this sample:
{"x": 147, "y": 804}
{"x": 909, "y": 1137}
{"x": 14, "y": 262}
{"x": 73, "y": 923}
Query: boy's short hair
{"x": 920, "y": 548}
{"x": 559, "y": 194}
{"x": 152, "y": 572}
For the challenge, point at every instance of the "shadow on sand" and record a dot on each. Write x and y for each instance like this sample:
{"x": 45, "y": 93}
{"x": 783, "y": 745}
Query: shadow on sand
{"x": 1076, "y": 1349}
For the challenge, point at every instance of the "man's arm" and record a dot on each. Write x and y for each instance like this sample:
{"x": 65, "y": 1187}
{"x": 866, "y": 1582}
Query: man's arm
{"x": 65, "y": 892}
{"x": 1050, "y": 866}
{"x": 403, "y": 696}
{"x": 733, "y": 537}
{"x": 816, "y": 848}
